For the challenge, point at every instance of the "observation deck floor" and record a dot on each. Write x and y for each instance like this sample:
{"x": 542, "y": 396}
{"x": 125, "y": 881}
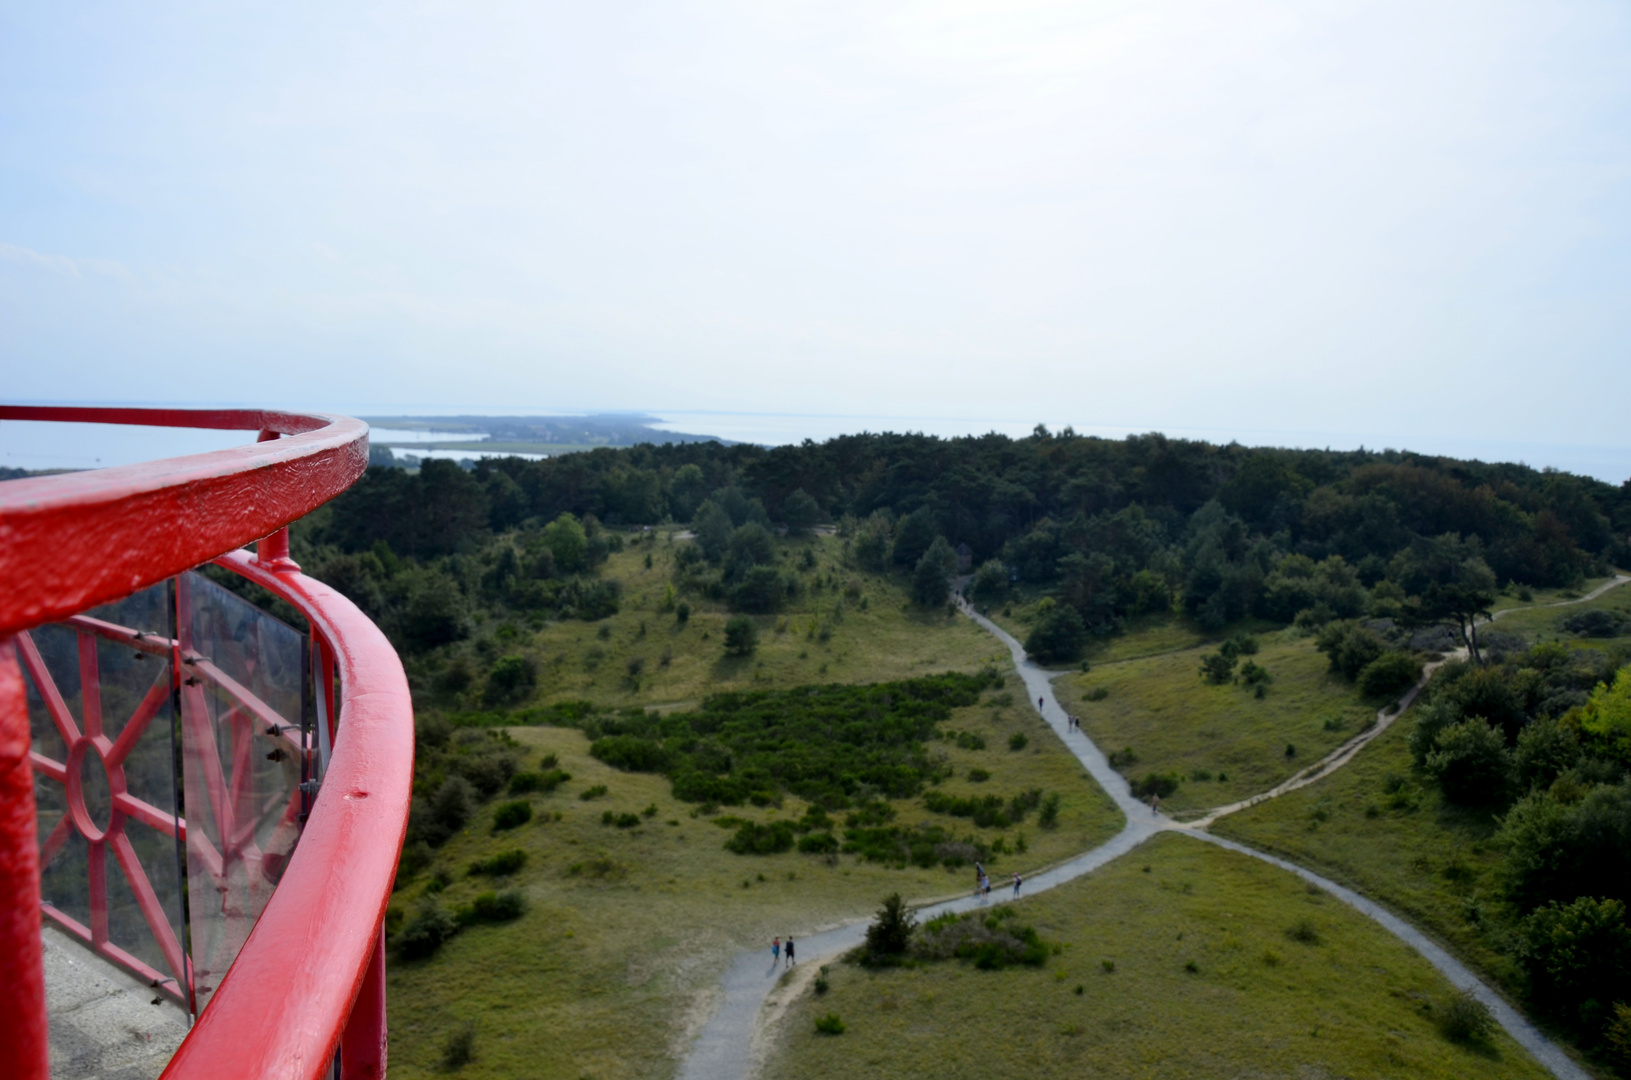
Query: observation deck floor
{"x": 104, "y": 1023}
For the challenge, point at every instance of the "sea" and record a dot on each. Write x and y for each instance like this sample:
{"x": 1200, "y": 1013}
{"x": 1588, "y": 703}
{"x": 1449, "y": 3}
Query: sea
{"x": 37, "y": 446}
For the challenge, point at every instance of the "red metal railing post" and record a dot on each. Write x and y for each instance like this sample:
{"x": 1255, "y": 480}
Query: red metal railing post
{"x": 23, "y": 1041}
{"x": 363, "y": 1046}
{"x": 272, "y": 551}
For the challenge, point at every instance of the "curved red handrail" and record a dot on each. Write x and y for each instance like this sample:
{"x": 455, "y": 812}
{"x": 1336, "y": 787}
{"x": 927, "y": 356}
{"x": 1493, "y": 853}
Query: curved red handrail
{"x": 69, "y": 542}
{"x": 72, "y": 541}
{"x": 282, "y": 1007}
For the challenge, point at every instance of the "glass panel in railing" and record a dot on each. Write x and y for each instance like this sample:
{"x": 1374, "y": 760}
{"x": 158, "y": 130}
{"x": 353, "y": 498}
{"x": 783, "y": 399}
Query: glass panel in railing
{"x": 101, "y": 708}
{"x": 241, "y": 697}
{"x": 50, "y": 663}
{"x": 134, "y": 670}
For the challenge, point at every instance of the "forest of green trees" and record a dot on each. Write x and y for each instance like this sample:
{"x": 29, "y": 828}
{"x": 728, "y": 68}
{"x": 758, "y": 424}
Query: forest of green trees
{"x": 1109, "y": 528}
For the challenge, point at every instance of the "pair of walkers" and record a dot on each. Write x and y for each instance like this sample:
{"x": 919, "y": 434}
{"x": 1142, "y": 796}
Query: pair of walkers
{"x": 777, "y": 949}
{"x": 982, "y": 881}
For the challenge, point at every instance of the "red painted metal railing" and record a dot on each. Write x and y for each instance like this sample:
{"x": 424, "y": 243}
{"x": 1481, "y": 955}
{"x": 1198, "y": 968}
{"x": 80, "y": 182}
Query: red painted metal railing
{"x": 309, "y": 979}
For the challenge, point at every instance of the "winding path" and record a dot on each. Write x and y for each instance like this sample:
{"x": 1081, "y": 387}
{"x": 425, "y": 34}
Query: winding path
{"x": 725, "y": 1048}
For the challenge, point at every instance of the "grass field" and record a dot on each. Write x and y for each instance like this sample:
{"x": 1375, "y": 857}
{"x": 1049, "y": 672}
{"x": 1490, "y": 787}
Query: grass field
{"x": 1375, "y": 827}
{"x": 1538, "y": 624}
{"x": 1175, "y": 722}
{"x": 1540, "y": 597}
{"x": 628, "y": 930}
{"x": 1352, "y": 1001}
{"x": 848, "y": 626}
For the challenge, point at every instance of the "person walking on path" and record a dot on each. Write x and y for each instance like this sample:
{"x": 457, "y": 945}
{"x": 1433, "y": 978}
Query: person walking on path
{"x": 789, "y": 952}
{"x": 1155, "y": 802}
{"x": 1038, "y": 704}
{"x": 1018, "y": 881}
{"x": 776, "y": 951}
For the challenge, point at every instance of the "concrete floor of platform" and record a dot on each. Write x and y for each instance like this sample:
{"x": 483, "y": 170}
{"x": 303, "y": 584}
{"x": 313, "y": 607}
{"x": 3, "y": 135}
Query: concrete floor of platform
{"x": 104, "y": 1024}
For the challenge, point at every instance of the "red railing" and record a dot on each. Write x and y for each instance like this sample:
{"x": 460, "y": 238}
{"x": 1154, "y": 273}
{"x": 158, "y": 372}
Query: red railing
{"x": 309, "y": 979}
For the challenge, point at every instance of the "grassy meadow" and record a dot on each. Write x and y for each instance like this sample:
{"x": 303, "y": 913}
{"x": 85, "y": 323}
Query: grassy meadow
{"x": 627, "y": 929}
{"x": 1225, "y": 743}
{"x": 1511, "y": 597}
{"x": 1178, "y": 960}
{"x": 846, "y": 626}
{"x": 1538, "y": 624}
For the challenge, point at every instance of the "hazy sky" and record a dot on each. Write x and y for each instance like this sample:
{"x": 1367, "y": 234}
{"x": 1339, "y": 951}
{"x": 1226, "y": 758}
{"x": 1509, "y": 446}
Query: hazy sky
{"x": 1389, "y": 222}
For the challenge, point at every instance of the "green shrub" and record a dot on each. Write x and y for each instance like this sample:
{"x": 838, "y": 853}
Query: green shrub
{"x": 1018, "y": 741}
{"x": 460, "y": 1048}
{"x": 1217, "y": 669}
{"x": 890, "y": 934}
{"x": 510, "y": 814}
{"x": 1098, "y": 693}
{"x": 1048, "y": 816}
{"x": 818, "y": 843}
{"x": 524, "y": 783}
{"x": 512, "y": 679}
{"x": 753, "y": 838}
{"x": 1058, "y": 635}
{"x": 829, "y": 1025}
{"x": 1465, "y": 1019}
{"x": 821, "y": 983}
{"x": 427, "y": 931}
{"x": 451, "y": 808}
{"x": 1389, "y": 675}
{"x": 990, "y": 943}
{"x": 493, "y": 907}
{"x": 741, "y": 636}
{"x": 592, "y": 793}
{"x": 979, "y": 776}
{"x": 631, "y": 753}
{"x": 1253, "y": 674}
{"x": 1350, "y": 647}
{"x": 1470, "y": 762}
{"x": 1162, "y": 784}
{"x": 1303, "y": 932}
{"x": 1577, "y": 956}
{"x": 987, "y": 811}
{"x": 505, "y": 862}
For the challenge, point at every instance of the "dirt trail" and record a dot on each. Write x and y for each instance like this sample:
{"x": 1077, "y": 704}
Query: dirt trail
{"x": 737, "y": 1036}
{"x": 1384, "y": 719}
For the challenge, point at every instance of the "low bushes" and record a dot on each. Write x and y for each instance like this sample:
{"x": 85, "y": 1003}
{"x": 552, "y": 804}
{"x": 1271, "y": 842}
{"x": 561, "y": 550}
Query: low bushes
{"x": 1162, "y": 784}
{"x": 509, "y": 815}
{"x": 990, "y": 943}
{"x": 433, "y": 926}
{"x": 753, "y": 838}
{"x": 826, "y": 744}
{"x": 829, "y": 1024}
{"x": 987, "y": 811}
{"x": 427, "y": 931}
{"x": 525, "y": 783}
{"x": 492, "y": 907}
{"x": 1465, "y": 1019}
{"x": 505, "y": 862}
